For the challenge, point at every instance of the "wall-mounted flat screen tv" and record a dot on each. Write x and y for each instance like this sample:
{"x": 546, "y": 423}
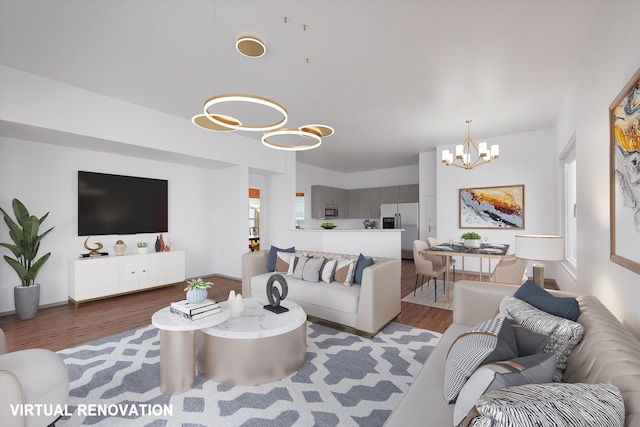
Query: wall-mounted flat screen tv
{"x": 117, "y": 204}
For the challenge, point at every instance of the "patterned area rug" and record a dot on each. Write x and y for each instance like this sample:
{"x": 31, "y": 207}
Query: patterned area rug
{"x": 347, "y": 380}
{"x": 426, "y": 296}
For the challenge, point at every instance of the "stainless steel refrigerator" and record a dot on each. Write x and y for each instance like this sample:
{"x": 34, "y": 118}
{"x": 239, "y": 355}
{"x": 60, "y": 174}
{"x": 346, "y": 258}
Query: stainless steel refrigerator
{"x": 405, "y": 216}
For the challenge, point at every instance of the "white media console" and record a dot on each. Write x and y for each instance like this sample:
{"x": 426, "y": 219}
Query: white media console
{"x": 109, "y": 276}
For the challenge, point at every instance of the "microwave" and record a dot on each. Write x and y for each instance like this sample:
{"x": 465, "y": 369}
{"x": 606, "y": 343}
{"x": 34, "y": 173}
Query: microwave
{"x": 331, "y": 211}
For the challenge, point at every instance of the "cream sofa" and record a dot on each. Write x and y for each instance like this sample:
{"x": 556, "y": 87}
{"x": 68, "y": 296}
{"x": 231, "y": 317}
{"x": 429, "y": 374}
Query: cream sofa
{"x": 607, "y": 353}
{"x": 366, "y": 307}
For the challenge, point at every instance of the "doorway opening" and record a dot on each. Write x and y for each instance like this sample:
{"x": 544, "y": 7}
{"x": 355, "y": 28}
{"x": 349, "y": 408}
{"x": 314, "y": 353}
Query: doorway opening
{"x": 254, "y": 219}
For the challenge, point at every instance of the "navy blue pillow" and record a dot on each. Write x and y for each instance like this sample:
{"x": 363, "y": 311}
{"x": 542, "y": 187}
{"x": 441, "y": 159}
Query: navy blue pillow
{"x": 534, "y": 295}
{"x": 363, "y": 262}
{"x": 273, "y": 256}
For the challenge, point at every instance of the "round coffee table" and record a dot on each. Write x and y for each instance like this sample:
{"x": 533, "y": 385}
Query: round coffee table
{"x": 177, "y": 347}
{"x": 258, "y": 347}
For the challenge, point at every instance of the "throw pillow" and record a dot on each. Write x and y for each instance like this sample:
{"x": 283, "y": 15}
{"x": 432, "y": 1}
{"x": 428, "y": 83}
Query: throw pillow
{"x": 273, "y": 255}
{"x": 485, "y": 343}
{"x": 533, "y": 294}
{"x": 299, "y": 266}
{"x": 345, "y": 270}
{"x": 528, "y": 342}
{"x": 328, "y": 268}
{"x": 554, "y": 404}
{"x": 311, "y": 269}
{"x": 283, "y": 260}
{"x": 363, "y": 262}
{"x": 563, "y": 334}
{"x": 535, "y": 369}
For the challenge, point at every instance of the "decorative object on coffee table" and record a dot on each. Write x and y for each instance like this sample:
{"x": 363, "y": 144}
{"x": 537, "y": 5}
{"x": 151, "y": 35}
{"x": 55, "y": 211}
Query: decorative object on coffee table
{"x": 197, "y": 290}
{"x": 236, "y": 304}
{"x": 120, "y": 247}
{"x": 274, "y": 295}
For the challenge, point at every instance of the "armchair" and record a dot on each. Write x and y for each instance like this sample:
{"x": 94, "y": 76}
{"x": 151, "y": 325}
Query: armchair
{"x": 31, "y": 377}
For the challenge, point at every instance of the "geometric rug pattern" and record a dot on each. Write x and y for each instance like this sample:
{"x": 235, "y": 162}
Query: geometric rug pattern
{"x": 426, "y": 296}
{"x": 347, "y": 380}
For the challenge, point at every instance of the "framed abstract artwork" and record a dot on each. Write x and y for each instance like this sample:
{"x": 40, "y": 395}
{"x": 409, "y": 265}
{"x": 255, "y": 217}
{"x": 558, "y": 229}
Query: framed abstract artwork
{"x": 624, "y": 177}
{"x": 492, "y": 207}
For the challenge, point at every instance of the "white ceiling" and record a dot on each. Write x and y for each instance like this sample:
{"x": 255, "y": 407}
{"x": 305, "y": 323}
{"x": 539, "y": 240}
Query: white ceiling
{"x": 394, "y": 78}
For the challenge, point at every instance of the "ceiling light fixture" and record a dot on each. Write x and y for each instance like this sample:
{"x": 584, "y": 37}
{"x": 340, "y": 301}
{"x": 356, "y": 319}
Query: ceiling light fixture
{"x": 251, "y": 47}
{"x": 220, "y": 99}
{"x": 291, "y": 131}
{"x": 321, "y": 130}
{"x": 462, "y": 157}
{"x": 201, "y": 120}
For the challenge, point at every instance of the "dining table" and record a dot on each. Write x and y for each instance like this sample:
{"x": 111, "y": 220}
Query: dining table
{"x": 449, "y": 250}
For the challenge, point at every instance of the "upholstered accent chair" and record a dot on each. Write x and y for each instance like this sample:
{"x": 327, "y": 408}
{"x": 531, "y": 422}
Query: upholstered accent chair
{"x": 510, "y": 270}
{"x": 427, "y": 265}
{"x": 31, "y": 377}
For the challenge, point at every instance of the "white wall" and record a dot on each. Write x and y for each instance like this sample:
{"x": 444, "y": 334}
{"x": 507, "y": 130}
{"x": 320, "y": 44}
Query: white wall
{"x": 609, "y": 60}
{"x": 525, "y": 158}
{"x": 44, "y": 178}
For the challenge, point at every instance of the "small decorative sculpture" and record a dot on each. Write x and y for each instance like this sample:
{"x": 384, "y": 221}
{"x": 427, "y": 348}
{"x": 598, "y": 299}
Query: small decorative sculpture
{"x": 120, "y": 247}
{"x": 236, "y": 304}
{"x": 274, "y": 295}
{"x": 92, "y": 251}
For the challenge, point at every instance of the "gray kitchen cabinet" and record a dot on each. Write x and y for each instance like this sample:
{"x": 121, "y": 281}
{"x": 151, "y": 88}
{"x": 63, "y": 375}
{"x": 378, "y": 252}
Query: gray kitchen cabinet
{"x": 352, "y": 197}
{"x": 339, "y": 197}
{"x": 322, "y": 195}
{"x": 389, "y": 194}
{"x": 369, "y": 202}
{"x": 409, "y": 193}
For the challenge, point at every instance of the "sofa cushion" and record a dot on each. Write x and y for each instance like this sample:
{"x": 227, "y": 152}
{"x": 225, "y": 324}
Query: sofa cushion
{"x": 528, "y": 342}
{"x": 273, "y": 255}
{"x": 362, "y": 263}
{"x": 563, "y": 334}
{"x": 283, "y": 261}
{"x": 327, "y": 270}
{"x": 555, "y": 404}
{"x": 308, "y": 269}
{"x": 334, "y": 294}
{"x": 489, "y": 341}
{"x": 345, "y": 271}
{"x": 535, "y": 369}
{"x": 533, "y": 294}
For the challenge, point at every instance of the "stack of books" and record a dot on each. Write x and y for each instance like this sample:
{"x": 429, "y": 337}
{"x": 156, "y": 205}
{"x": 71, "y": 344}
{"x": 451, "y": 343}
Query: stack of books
{"x": 195, "y": 311}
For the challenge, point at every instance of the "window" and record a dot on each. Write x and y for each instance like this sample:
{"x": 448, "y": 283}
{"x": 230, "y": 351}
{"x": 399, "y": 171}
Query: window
{"x": 299, "y": 210}
{"x": 569, "y": 206}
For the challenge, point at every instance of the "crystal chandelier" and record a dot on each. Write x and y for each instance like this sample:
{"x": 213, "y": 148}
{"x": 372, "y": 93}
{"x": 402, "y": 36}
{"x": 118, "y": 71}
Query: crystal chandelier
{"x": 462, "y": 157}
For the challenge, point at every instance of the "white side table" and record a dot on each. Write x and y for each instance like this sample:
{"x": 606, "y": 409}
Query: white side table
{"x": 256, "y": 348}
{"x": 177, "y": 347}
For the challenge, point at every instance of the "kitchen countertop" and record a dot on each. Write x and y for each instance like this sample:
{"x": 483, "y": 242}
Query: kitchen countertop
{"x": 338, "y": 229}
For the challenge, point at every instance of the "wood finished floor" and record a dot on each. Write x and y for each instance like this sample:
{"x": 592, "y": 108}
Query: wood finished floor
{"x": 61, "y": 326}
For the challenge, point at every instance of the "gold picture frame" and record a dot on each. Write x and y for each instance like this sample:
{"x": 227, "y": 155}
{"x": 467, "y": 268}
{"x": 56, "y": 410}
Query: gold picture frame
{"x": 624, "y": 173}
{"x": 499, "y": 208}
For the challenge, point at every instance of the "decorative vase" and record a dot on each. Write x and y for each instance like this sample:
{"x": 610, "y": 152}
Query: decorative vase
{"x": 196, "y": 296}
{"x": 27, "y": 300}
{"x": 471, "y": 243}
{"x": 120, "y": 247}
{"x": 163, "y": 247}
{"x": 158, "y": 247}
{"x": 236, "y": 304}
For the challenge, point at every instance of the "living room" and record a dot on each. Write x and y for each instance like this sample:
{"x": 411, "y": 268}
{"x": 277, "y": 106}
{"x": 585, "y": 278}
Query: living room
{"x": 209, "y": 174}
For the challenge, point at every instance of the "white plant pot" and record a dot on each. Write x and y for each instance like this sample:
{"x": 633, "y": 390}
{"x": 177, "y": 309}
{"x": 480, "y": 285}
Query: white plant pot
{"x": 143, "y": 250}
{"x": 475, "y": 243}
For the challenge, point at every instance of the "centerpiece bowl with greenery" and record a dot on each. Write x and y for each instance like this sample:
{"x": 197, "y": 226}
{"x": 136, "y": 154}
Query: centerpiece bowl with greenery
{"x": 26, "y": 243}
{"x": 471, "y": 239}
{"x": 197, "y": 290}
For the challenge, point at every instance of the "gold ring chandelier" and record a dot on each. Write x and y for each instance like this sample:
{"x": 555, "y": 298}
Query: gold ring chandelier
{"x": 252, "y": 47}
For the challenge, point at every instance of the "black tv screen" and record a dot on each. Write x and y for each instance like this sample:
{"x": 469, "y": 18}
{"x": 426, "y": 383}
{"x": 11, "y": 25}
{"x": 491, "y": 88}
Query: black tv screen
{"x": 117, "y": 204}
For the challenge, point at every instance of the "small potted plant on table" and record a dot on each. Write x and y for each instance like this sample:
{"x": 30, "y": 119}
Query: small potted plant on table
{"x": 142, "y": 247}
{"x": 471, "y": 239}
{"x": 197, "y": 290}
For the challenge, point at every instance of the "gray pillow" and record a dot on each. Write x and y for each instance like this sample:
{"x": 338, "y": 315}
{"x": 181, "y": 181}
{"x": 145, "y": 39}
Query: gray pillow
{"x": 535, "y": 369}
{"x": 563, "y": 334}
{"x": 487, "y": 342}
{"x": 311, "y": 270}
{"x": 528, "y": 342}
{"x": 551, "y": 404}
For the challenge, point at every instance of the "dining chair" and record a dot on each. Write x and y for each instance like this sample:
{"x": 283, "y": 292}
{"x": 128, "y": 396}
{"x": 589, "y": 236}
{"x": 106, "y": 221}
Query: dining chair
{"x": 510, "y": 270}
{"x": 427, "y": 265}
{"x": 431, "y": 242}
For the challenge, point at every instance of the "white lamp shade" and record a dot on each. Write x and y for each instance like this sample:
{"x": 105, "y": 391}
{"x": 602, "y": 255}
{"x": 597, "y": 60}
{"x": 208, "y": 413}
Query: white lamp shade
{"x": 540, "y": 247}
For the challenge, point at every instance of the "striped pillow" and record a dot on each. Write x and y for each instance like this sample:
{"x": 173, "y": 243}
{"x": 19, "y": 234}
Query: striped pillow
{"x": 551, "y": 404}
{"x": 563, "y": 334}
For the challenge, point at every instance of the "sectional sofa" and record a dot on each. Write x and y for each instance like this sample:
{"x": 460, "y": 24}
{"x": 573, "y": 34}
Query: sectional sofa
{"x": 607, "y": 353}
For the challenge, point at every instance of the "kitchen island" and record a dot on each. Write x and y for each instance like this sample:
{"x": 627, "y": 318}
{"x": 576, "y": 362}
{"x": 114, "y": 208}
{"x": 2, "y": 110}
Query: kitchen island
{"x": 376, "y": 242}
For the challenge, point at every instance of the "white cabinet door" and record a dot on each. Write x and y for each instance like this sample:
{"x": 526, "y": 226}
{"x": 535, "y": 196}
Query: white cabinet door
{"x": 93, "y": 278}
{"x": 137, "y": 272}
{"x": 170, "y": 267}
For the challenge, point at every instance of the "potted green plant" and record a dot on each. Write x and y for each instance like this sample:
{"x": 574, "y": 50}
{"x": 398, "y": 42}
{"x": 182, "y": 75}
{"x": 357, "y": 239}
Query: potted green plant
{"x": 26, "y": 243}
{"x": 142, "y": 247}
{"x": 197, "y": 290}
{"x": 471, "y": 239}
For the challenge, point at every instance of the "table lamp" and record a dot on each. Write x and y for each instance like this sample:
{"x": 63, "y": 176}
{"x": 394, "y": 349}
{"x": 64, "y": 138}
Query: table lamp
{"x": 539, "y": 248}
